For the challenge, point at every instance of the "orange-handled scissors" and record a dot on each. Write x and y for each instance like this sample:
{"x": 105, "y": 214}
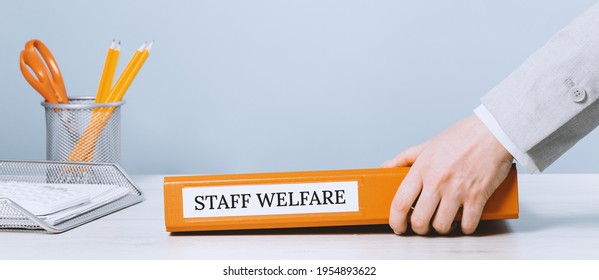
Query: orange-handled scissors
{"x": 48, "y": 79}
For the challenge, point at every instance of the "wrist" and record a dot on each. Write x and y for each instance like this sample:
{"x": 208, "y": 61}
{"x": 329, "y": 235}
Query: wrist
{"x": 495, "y": 129}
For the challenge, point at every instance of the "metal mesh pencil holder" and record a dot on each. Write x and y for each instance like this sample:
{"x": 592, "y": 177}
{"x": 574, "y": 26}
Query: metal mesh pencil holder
{"x": 83, "y": 131}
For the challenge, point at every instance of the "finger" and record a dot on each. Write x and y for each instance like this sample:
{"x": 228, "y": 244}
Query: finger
{"x": 402, "y": 202}
{"x": 424, "y": 210}
{"x": 445, "y": 215}
{"x": 471, "y": 216}
{"x": 405, "y": 158}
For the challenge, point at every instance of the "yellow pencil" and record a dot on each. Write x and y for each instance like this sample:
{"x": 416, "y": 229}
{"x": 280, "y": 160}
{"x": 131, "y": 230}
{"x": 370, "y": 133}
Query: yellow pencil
{"x": 129, "y": 73}
{"x": 85, "y": 148}
{"x": 112, "y": 58}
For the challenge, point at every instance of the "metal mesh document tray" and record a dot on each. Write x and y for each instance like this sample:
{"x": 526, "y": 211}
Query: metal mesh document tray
{"x": 14, "y": 217}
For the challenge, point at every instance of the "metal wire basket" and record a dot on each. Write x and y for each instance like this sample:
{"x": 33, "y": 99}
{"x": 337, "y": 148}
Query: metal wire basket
{"x": 83, "y": 131}
{"x": 14, "y": 217}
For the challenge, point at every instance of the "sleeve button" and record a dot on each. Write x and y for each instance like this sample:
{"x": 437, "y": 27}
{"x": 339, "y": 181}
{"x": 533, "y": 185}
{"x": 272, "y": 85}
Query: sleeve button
{"x": 577, "y": 94}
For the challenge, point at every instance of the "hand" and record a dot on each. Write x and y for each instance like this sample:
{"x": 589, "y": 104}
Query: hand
{"x": 460, "y": 167}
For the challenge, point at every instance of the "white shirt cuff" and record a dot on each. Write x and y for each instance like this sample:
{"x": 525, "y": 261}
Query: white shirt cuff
{"x": 523, "y": 158}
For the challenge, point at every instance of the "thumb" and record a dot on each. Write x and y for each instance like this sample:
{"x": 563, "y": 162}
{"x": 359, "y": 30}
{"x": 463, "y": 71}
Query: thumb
{"x": 405, "y": 158}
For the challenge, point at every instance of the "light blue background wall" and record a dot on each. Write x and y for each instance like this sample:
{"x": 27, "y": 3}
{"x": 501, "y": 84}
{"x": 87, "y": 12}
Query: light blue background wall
{"x": 250, "y": 86}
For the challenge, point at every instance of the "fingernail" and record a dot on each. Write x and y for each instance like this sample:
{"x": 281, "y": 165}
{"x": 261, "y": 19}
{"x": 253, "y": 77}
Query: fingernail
{"x": 397, "y": 232}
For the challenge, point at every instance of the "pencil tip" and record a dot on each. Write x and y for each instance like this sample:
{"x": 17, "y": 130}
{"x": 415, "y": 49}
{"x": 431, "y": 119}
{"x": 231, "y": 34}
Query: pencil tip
{"x": 149, "y": 47}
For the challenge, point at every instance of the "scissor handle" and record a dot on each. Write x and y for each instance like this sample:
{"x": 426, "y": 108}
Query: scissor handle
{"x": 49, "y": 80}
{"x": 42, "y": 83}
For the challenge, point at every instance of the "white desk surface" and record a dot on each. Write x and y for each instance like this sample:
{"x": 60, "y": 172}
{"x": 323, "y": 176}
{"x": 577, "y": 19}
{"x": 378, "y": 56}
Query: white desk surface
{"x": 559, "y": 219}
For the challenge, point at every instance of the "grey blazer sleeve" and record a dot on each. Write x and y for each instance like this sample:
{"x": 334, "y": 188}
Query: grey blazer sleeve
{"x": 550, "y": 101}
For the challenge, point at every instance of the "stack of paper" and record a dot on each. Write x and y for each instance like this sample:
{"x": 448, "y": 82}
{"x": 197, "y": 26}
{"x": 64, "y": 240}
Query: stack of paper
{"x": 56, "y": 203}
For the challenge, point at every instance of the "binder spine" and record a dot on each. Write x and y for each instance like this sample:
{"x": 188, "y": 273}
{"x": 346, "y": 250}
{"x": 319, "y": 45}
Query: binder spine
{"x": 299, "y": 199}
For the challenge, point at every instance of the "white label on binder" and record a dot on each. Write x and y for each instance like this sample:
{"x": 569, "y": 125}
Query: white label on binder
{"x": 274, "y": 199}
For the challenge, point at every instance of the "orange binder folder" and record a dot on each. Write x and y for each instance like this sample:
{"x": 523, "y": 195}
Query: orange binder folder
{"x": 299, "y": 199}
